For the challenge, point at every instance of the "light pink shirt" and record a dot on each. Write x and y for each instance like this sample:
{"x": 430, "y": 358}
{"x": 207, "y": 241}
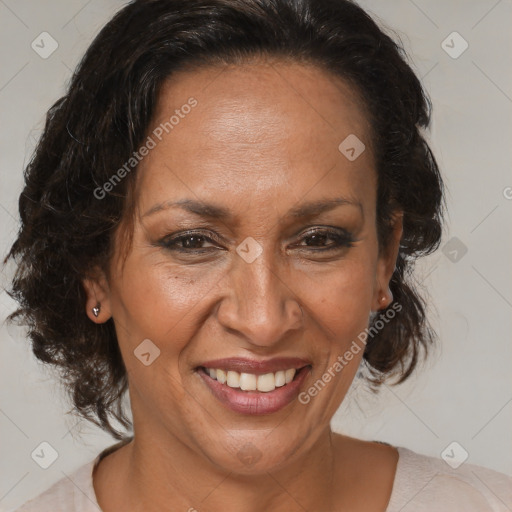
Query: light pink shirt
{"x": 422, "y": 484}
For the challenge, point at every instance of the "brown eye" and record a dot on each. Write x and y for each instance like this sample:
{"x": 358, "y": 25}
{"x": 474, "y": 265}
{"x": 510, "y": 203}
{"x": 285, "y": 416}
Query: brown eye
{"x": 326, "y": 239}
{"x": 191, "y": 241}
{"x": 187, "y": 242}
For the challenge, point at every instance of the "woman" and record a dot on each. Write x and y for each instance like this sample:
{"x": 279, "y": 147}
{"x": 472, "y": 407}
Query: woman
{"x": 221, "y": 218}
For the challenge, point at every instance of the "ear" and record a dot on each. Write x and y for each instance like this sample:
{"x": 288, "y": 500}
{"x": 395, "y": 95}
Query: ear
{"x": 98, "y": 295}
{"x": 386, "y": 265}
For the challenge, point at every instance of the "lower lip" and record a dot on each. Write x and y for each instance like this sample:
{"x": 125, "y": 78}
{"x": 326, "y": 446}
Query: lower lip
{"x": 256, "y": 402}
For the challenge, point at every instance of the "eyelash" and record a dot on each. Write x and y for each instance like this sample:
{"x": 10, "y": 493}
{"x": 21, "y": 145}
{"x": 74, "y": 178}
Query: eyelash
{"x": 341, "y": 238}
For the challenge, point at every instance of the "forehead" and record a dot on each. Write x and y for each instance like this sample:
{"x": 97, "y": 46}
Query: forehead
{"x": 260, "y": 129}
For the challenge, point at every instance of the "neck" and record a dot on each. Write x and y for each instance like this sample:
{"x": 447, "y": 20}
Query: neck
{"x": 167, "y": 474}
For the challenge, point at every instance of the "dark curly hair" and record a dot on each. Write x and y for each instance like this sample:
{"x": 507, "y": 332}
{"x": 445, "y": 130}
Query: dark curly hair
{"x": 104, "y": 117}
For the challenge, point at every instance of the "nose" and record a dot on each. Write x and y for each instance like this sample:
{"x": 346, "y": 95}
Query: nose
{"x": 261, "y": 304}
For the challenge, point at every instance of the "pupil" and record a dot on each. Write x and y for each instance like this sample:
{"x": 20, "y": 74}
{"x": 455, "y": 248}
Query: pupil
{"x": 317, "y": 238}
{"x": 191, "y": 245}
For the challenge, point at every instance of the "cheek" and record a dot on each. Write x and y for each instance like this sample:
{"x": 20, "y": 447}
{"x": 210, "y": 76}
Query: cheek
{"x": 341, "y": 298}
{"x": 343, "y": 302}
{"x": 158, "y": 301}
{"x": 164, "y": 304}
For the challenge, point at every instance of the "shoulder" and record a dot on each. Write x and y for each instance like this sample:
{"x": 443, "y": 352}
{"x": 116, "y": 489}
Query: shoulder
{"x": 422, "y": 482}
{"x": 72, "y": 493}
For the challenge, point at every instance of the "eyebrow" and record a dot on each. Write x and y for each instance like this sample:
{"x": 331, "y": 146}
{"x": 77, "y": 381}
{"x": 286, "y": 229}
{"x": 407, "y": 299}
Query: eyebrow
{"x": 309, "y": 209}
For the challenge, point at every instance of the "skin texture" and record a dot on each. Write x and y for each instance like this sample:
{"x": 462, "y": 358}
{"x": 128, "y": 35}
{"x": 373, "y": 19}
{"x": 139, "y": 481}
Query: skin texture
{"x": 262, "y": 139}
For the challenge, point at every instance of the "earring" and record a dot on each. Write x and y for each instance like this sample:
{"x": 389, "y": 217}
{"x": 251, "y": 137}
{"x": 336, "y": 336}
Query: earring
{"x": 96, "y": 310}
{"x": 382, "y": 301}
{"x": 384, "y": 297}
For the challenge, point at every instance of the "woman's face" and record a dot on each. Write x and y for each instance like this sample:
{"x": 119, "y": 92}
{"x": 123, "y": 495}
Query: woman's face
{"x": 260, "y": 146}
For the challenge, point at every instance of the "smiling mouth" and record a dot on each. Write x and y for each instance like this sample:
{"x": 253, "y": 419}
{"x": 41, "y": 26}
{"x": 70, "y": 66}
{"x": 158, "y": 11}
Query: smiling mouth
{"x": 262, "y": 383}
{"x": 252, "y": 386}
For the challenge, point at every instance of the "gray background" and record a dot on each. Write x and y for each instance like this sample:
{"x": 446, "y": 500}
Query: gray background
{"x": 463, "y": 394}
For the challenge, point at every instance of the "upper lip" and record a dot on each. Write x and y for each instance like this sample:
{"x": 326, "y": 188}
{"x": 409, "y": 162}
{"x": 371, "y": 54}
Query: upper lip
{"x": 244, "y": 365}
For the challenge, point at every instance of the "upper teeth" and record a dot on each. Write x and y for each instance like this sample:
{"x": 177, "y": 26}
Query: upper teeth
{"x": 250, "y": 382}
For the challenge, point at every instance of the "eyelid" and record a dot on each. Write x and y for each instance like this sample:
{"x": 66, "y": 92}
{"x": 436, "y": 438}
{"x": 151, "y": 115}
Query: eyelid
{"x": 308, "y": 230}
{"x": 341, "y": 237}
{"x": 190, "y": 232}
{"x": 322, "y": 227}
{"x": 333, "y": 230}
